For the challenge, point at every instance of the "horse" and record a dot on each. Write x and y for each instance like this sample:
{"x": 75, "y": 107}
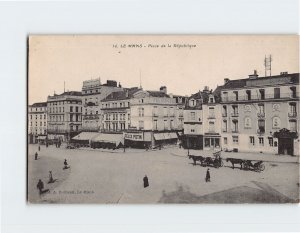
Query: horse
{"x": 197, "y": 158}
{"x": 235, "y": 161}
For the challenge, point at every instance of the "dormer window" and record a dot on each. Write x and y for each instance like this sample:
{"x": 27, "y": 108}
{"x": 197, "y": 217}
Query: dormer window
{"x": 211, "y": 99}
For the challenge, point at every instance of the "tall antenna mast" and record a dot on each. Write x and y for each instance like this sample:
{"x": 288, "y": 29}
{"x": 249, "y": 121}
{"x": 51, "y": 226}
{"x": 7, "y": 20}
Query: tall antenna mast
{"x": 268, "y": 65}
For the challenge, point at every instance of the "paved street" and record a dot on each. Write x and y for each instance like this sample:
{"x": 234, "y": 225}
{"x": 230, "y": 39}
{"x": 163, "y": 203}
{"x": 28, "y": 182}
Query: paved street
{"x": 98, "y": 176}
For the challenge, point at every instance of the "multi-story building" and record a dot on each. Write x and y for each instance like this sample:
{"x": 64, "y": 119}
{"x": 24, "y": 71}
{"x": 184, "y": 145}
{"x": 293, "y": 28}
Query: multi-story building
{"x": 93, "y": 92}
{"x": 193, "y": 122}
{"x": 116, "y": 110}
{"x": 64, "y": 115}
{"x": 260, "y": 114}
{"x": 153, "y": 119}
{"x": 211, "y": 118}
{"x": 37, "y": 121}
{"x": 180, "y": 104}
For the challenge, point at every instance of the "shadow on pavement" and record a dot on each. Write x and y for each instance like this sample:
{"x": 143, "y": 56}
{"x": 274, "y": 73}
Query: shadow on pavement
{"x": 237, "y": 195}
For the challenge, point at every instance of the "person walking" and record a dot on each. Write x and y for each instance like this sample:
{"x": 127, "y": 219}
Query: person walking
{"x": 146, "y": 181}
{"x": 39, "y": 148}
{"x": 50, "y": 177}
{"x": 207, "y": 178}
{"x": 35, "y": 156}
{"x": 40, "y": 186}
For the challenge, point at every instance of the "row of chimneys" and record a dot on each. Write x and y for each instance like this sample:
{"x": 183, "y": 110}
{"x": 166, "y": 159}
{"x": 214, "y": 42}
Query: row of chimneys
{"x": 254, "y": 76}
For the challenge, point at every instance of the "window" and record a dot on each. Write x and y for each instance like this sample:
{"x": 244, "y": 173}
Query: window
{"x": 235, "y": 126}
{"x": 44, "y": 123}
{"x": 193, "y": 116}
{"x": 141, "y": 124}
{"x": 155, "y": 124}
{"x": 225, "y": 141}
{"x": 192, "y": 130}
{"x": 165, "y": 111}
{"x": 172, "y": 124}
{"x": 293, "y": 125}
{"x": 165, "y": 124}
{"x": 76, "y": 109}
{"x": 292, "y": 110}
{"x": 270, "y": 141}
{"x": 211, "y": 99}
{"x": 236, "y": 93}
{"x": 224, "y": 112}
{"x": 293, "y": 90}
{"x": 261, "y": 126}
{"x": 45, "y": 116}
{"x": 248, "y": 93}
{"x": 211, "y": 112}
{"x": 276, "y": 93}
{"x": 235, "y": 139}
{"x": 262, "y": 94}
{"x": 31, "y": 117}
{"x": 211, "y": 127}
{"x": 248, "y": 123}
{"x": 71, "y": 109}
{"x": 41, "y": 117}
{"x": 235, "y": 111}
{"x": 261, "y": 141}
{"x": 276, "y": 123}
{"x": 252, "y": 141}
{"x": 155, "y": 111}
{"x": 141, "y": 112}
{"x": 225, "y": 126}
{"x": 225, "y": 96}
{"x": 261, "y": 109}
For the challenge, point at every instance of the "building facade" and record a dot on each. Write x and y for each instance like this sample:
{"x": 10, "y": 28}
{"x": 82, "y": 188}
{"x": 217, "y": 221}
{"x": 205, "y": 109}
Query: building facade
{"x": 116, "y": 110}
{"x": 93, "y": 92}
{"x": 260, "y": 114}
{"x": 64, "y": 115}
{"x": 153, "y": 119}
{"x": 37, "y": 121}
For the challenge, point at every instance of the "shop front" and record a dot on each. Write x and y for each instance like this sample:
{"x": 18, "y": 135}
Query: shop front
{"x": 285, "y": 141}
{"x": 212, "y": 141}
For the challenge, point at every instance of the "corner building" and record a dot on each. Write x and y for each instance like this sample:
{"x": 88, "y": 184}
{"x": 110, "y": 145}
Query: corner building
{"x": 260, "y": 114}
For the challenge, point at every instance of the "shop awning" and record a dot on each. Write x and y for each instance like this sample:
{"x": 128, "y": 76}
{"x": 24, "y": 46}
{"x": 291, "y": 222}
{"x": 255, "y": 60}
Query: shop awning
{"x": 85, "y": 136}
{"x": 41, "y": 137}
{"x": 112, "y": 138}
{"x": 159, "y": 136}
{"x": 171, "y": 135}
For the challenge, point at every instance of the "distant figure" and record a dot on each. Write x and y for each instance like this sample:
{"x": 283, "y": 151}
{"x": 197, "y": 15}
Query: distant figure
{"x": 39, "y": 148}
{"x": 40, "y": 186}
{"x": 124, "y": 148}
{"x": 146, "y": 181}
{"x": 35, "y": 156}
{"x": 66, "y": 164}
{"x": 50, "y": 177}
{"x": 207, "y": 178}
{"x": 46, "y": 144}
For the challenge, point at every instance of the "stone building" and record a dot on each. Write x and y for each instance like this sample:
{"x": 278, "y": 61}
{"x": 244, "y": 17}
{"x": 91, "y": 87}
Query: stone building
{"x": 64, "y": 115}
{"x": 260, "y": 114}
{"x": 153, "y": 119}
{"x": 93, "y": 92}
{"x": 37, "y": 122}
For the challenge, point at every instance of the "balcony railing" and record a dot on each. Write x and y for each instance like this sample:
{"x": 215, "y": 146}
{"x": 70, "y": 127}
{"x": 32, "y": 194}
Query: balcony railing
{"x": 235, "y": 114}
{"x": 292, "y": 114}
{"x": 261, "y": 130}
{"x": 235, "y": 131}
{"x": 261, "y": 114}
{"x": 224, "y": 114}
{"x": 266, "y": 97}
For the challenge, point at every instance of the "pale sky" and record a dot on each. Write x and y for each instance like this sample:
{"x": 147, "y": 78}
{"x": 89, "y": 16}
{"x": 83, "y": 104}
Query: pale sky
{"x": 73, "y": 59}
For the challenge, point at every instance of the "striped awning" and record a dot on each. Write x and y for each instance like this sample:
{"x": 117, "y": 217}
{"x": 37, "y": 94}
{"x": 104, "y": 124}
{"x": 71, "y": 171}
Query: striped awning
{"x": 113, "y": 138}
{"x": 85, "y": 136}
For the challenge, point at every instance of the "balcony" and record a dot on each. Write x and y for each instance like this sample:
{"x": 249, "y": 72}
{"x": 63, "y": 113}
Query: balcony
{"x": 211, "y": 116}
{"x": 259, "y": 97}
{"x": 224, "y": 114}
{"x": 155, "y": 115}
{"x": 292, "y": 114}
{"x": 261, "y": 130}
{"x": 235, "y": 131}
{"x": 261, "y": 114}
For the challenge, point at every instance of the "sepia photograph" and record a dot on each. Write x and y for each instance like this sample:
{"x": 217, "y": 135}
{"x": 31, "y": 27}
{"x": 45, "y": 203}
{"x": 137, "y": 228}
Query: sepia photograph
{"x": 162, "y": 119}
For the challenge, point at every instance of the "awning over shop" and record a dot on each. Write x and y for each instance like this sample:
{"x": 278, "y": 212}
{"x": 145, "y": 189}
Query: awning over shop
{"x": 112, "y": 138}
{"x": 165, "y": 136}
{"x": 41, "y": 137}
{"x": 84, "y": 136}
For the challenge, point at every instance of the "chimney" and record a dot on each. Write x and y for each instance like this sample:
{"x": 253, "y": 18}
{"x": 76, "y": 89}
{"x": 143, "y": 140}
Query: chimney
{"x": 226, "y": 80}
{"x": 284, "y": 73}
{"x": 254, "y": 75}
{"x": 163, "y": 89}
{"x": 206, "y": 89}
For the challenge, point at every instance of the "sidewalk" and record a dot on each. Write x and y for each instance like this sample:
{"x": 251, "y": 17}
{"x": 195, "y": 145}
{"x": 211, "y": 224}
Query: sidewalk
{"x": 239, "y": 155}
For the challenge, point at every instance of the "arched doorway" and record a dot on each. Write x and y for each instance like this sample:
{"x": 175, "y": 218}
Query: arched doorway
{"x": 285, "y": 141}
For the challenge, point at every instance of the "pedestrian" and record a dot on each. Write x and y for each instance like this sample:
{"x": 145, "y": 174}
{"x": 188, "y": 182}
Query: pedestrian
{"x": 146, "y": 181}
{"x": 39, "y": 148}
{"x": 65, "y": 164}
{"x": 40, "y": 186}
{"x": 50, "y": 177}
{"x": 35, "y": 156}
{"x": 207, "y": 178}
